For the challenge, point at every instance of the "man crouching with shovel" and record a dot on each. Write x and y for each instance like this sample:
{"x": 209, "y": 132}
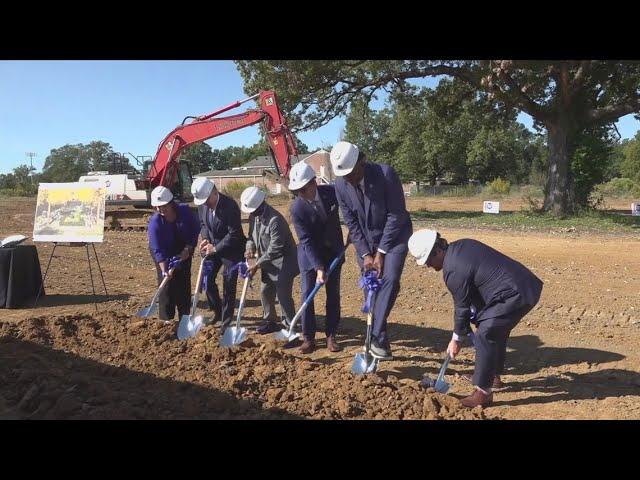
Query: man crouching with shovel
{"x": 502, "y": 290}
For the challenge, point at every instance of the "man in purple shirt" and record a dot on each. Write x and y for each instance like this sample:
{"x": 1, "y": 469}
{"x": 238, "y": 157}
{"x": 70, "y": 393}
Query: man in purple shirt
{"x": 173, "y": 231}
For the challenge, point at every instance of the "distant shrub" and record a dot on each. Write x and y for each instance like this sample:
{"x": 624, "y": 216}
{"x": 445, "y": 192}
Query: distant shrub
{"x": 19, "y": 191}
{"x": 499, "y": 186}
{"x": 619, "y": 187}
{"x": 462, "y": 191}
{"x": 234, "y": 189}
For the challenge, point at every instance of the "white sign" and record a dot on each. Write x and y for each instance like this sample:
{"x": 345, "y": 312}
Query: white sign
{"x": 635, "y": 208}
{"x": 490, "y": 207}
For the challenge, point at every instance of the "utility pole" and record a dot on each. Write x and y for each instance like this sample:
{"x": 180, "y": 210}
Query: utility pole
{"x": 31, "y": 155}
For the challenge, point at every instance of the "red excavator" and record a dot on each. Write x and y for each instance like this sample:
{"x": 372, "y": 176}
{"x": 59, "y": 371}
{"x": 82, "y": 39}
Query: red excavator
{"x": 168, "y": 171}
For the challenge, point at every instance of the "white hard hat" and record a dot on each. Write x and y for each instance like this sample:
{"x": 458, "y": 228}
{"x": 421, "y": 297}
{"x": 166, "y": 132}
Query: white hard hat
{"x": 160, "y": 196}
{"x": 344, "y": 156}
{"x": 251, "y": 199}
{"x": 301, "y": 174}
{"x": 201, "y": 188}
{"x": 421, "y": 243}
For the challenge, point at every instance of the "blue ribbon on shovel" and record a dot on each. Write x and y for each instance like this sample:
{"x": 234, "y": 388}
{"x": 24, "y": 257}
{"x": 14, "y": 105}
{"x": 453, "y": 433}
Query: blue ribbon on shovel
{"x": 174, "y": 262}
{"x": 241, "y": 267}
{"x": 207, "y": 269}
{"x": 372, "y": 283}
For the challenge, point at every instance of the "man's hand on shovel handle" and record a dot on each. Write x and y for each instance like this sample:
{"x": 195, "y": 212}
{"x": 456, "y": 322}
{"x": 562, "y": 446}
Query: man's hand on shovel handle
{"x": 454, "y": 348}
{"x": 207, "y": 248}
{"x": 378, "y": 263}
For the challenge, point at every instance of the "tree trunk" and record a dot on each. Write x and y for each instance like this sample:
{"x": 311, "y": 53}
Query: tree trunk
{"x": 559, "y": 191}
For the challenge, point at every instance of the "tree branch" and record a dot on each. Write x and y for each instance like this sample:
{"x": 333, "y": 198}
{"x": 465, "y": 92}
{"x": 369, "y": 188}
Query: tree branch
{"x": 611, "y": 113}
{"x": 525, "y": 102}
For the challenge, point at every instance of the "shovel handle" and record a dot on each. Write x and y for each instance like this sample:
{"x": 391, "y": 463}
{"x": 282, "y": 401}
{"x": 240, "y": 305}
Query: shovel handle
{"x": 194, "y": 304}
{"x": 315, "y": 290}
{"x": 443, "y": 369}
{"x": 367, "y": 342}
{"x": 165, "y": 280}
{"x": 244, "y": 293}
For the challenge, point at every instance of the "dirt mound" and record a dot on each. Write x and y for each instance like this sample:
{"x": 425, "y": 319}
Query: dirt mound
{"x": 111, "y": 366}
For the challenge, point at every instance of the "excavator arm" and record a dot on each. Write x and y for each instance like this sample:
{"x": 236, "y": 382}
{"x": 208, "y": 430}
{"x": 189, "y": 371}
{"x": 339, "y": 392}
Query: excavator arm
{"x": 165, "y": 167}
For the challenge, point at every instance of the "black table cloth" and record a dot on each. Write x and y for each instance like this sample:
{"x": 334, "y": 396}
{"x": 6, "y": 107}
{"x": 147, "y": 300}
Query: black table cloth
{"x": 20, "y": 276}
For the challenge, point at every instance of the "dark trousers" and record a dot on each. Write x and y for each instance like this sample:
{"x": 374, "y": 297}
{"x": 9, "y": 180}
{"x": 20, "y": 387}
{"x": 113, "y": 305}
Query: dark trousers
{"x": 385, "y": 298}
{"x": 177, "y": 293}
{"x": 491, "y": 344}
{"x": 332, "y": 308}
{"x": 224, "y": 309}
{"x": 282, "y": 288}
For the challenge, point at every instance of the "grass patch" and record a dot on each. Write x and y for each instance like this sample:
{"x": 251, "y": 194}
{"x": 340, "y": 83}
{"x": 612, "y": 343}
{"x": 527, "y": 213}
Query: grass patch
{"x": 589, "y": 221}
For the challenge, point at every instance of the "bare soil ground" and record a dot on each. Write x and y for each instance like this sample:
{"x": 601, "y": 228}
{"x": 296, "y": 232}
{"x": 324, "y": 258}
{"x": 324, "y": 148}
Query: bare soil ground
{"x": 575, "y": 356}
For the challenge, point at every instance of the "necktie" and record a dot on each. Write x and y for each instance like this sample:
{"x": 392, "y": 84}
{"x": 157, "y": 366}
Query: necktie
{"x": 319, "y": 210}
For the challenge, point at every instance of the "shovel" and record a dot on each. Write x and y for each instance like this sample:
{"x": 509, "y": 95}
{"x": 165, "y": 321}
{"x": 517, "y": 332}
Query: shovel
{"x": 288, "y": 335}
{"x": 153, "y": 307}
{"x": 364, "y": 362}
{"x": 236, "y": 335}
{"x": 439, "y": 385}
{"x": 191, "y": 324}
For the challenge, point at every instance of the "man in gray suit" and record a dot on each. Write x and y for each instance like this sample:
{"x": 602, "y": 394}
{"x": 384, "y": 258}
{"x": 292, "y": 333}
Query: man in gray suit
{"x": 271, "y": 241}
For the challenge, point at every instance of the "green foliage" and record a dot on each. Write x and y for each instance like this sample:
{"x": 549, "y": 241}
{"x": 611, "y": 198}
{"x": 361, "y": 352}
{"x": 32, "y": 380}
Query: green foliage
{"x": 594, "y": 94}
{"x": 69, "y": 162}
{"x": 589, "y": 162}
{"x": 445, "y": 132}
{"x": 20, "y": 183}
{"x": 587, "y": 221}
{"x": 366, "y": 128}
{"x": 200, "y": 157}
{"x": 499, "y": 187}
{"x": 619, "y": 187}
{"x": 234, "y": 189}
{"x": 630, "y": 163}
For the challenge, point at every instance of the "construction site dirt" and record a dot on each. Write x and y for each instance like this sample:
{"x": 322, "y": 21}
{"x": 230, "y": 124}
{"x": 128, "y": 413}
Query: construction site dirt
{"x": 574, "y": 356}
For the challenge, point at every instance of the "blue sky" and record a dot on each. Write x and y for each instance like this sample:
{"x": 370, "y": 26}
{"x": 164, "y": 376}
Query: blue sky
{"x": 131, "y": 105}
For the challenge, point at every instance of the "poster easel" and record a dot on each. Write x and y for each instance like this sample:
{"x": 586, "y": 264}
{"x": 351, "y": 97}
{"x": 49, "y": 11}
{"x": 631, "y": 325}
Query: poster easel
{"x": 75, "y": 244}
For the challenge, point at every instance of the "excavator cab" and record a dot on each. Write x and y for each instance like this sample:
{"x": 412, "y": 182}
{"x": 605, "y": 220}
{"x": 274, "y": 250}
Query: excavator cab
{"x": 184, "y": 184}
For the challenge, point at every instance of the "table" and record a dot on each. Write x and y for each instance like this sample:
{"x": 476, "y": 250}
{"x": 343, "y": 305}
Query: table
{"x": 20, "y": 276}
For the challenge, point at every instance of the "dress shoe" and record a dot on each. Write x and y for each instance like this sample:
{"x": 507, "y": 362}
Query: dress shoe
{"x": 267, "y": 327}
{"x": 332, "y": 344}
{"x": 382, "y": 352}
{"x": 496, "y": 384}
{"x": 477, "y": 398}
{"x": 307, "y": 346}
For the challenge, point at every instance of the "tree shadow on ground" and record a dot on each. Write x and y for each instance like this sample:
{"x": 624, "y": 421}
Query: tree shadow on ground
{"x": 526, "y": 354}
{"x": 529, "y": 355}
{"x": 594, "y": 385}
{"x": 57, "y": 300}
{"x": 37, "y": 382}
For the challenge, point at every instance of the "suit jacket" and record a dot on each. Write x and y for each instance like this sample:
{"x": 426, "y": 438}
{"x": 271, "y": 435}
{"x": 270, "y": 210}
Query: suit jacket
{"x": 497, "y": 285}
{"x": 384, "y": 221}
{"x": 271, "y": 238}
{"x": 224, "y": 229}
{"x": 320, "y": 240}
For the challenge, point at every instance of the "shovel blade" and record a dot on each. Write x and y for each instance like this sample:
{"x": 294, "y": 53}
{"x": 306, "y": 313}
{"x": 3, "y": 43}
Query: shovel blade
{"x": 283, "y": 336}
{"x": 189, "y": 326}
{"x": 148, "y": 312}
{"x": 361, "y": 365}
{"x": 441, "y": 387}
{"x": 233, "y": 336}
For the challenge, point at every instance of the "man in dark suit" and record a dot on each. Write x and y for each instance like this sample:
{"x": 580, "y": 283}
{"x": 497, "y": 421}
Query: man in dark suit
{"x": 502, "y": 290}
{"x": 372, "y": 202}
{"x": 271, "y": 241}
{"x": 315, "y": 217}
{"x": 223, "y": 242}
